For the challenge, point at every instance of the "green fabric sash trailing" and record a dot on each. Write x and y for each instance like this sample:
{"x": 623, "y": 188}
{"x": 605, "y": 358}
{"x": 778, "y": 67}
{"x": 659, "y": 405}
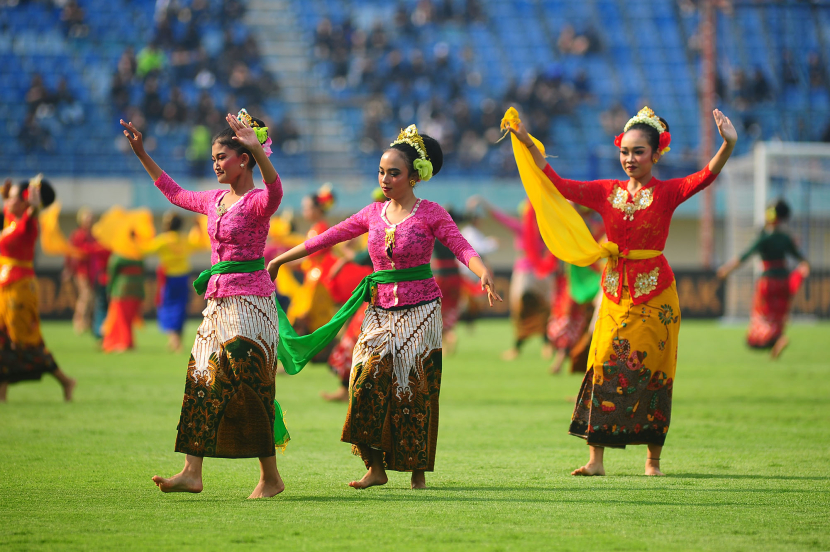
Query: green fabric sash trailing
{"x": 226, "y": 267}
{"x": 296, "y": 351}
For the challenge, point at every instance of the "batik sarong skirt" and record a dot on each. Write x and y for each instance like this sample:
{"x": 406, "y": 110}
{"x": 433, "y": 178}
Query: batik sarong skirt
{"x": 529, "y": 303}
{"x": 23, "y": 355}
{"x": 228, "y": 408}
{"x": 770, "y": 308}
{"x": 626, "y": 394}
{"x": 394, "y": 387}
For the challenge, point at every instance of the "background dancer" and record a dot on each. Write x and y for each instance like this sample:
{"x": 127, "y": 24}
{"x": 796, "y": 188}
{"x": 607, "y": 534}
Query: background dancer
{"x": 173, "y": 292}
{"x": 625, "y": 397}
{"x": 531, "y": 284}
{"x": 23, "y": 355}
{"x": 229, "y": 410}
{"x": 777, "y": 285}
{"x": 392, "y": 421}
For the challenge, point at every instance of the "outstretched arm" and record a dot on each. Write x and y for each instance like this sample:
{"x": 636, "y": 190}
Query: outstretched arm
{"x": 137, "y": 144}
{"x": 524, "y": 137}
{"x": 730, "y": 138}
{"x": 292, "y": 254}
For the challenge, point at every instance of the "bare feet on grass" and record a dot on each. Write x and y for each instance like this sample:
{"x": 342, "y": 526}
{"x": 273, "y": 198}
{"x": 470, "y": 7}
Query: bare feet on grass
{"x": 341, "y": 395}
{"x": 267, "y": 489}
{"x": 68, "y": 389}
{"x": 590, "y": 468}
{"x": 653, "y": 468}
{"x": 779, "y": 347}
{"x": 594, "y": 465}
{"x": 510, "y": 354}
{"x": 179, "y": 483}
{"x": 372, "y": 478}
{"x": 419, "y": 480}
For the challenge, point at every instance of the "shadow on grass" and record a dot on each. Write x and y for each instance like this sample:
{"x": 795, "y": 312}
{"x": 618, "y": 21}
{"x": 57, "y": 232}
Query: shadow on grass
{"x": 749, "y": 476}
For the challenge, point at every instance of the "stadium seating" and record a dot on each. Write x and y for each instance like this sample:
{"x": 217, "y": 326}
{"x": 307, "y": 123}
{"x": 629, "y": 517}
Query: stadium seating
{"x": 641, "y": 51}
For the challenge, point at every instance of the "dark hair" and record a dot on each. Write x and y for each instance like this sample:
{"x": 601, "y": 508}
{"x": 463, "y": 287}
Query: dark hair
{"x": 173, "y": 222}
{"x": 434, "y": 153}
{"x": 652, "y": 136}
{"x": 47, "y": 192}
{"x": 225, "y": 138}
{"x": 782, "y": 210}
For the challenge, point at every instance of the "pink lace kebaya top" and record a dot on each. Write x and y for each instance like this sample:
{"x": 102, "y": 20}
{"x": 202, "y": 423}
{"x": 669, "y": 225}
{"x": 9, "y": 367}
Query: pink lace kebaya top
{"x": 414, "y": 239}
{"x": 237, "y": 235}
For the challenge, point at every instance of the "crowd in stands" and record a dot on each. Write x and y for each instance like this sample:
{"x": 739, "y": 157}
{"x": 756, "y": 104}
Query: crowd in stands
{"x": 397, "y": 83}
{"x": 47, "y": 113}
{"x": 193, "y": 72}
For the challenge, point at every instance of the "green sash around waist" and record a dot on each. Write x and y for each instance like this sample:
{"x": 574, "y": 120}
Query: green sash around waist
{"x": 226, "y": 267}
{"x": 296, "y": 351}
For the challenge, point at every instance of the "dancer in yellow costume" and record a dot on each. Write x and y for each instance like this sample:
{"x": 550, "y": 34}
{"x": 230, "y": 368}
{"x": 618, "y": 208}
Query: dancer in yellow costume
{"x": 627, "y": 391}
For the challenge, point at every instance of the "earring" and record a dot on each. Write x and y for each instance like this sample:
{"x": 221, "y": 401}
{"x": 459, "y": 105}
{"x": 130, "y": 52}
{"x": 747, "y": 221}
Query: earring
{"x": 655, "y": 160}
{"x": 242, "y": 164}
{"x": 412, "y": 183}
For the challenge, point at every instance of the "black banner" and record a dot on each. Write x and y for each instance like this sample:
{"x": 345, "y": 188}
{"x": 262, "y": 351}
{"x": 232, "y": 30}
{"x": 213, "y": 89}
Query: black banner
{"x": 701, "y": 296}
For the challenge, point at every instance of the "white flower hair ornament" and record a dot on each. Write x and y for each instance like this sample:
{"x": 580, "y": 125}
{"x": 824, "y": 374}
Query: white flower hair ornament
{"x": 423, "y": 165}
{"x": 261, "y": 132}
{"x": 647, "y": 117}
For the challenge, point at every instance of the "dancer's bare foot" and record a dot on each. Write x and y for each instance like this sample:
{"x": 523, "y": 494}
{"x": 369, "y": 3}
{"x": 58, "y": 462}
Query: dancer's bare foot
{"x": 779, "y": 347}
{"x": 341, "y": 395}
{"x": 371, "y": 479}
{"x": 4, "y": 388}
{"x": 267, "y": 489}
{"x": 419, "y": 480}
{"x": 179, "y": 483}
{"x": 510, "y": 354}
{"x": 590, "y": 468}
{"x": 653, "y": 467}
{"x": 68, "y": 389}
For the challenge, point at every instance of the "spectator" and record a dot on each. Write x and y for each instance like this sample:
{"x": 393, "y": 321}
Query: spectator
{"x": 70, "y": 110}
{"x": 760, "y": 87}
{"x": 33, "y": 136}
{"x": 72, "y": 17}
{"x": 152, "y": 105}
{"x": 150, "y": 60}
{"x": 816, "y": 72}
{"x": 37, "y": 94}
{"x": 789, "y": 73}
{"x": 175, "y": 110}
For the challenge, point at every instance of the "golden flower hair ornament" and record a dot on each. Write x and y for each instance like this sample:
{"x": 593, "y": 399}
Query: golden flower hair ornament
{"x": 647, "y": 117}
{"x": 410, "y": 136}
{"x": 261, "y": 132}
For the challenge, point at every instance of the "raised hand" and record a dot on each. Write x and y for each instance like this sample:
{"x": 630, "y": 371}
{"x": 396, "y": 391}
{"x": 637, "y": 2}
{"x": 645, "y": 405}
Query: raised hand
{"x": 725, "y": 127}
{"x": 134, "y": 136}
{"x": 245, "y": 135}
{"x": 7, "y": 186}
{"x": 521, "y": 133}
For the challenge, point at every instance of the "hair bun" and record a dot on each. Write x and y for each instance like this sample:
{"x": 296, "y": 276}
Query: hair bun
{"x": 434, "y": 153}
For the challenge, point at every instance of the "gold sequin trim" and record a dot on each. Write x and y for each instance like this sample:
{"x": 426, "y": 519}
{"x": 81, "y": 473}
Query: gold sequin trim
{"x": 619, "y": 200}
{"x": 612, "y": 282}
{"x": 646, "y": 283}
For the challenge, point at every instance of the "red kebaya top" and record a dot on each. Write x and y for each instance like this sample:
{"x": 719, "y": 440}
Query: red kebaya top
{"x": 17, "y": 247}
{"x": 639, "y": 222}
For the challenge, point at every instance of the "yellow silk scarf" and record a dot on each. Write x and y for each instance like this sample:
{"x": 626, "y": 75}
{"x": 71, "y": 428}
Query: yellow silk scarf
{"x": 563, "y": 229}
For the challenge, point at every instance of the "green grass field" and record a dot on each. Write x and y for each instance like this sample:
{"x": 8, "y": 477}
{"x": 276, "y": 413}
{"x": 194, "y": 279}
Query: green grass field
{"x": 748, "y": 458}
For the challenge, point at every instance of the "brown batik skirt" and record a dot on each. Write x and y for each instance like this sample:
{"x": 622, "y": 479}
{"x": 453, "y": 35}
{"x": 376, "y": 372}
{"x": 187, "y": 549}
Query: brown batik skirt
{"x": 394, "y": 387}
{"x": 228, "y": 407}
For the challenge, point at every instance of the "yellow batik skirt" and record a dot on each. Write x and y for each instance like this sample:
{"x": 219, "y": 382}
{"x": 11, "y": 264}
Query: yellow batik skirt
{"x": 626, "y": 395}
{"x": 394, "y": 387}
{"x": 23, "y": 355}
{"x": 228, "y": 408}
